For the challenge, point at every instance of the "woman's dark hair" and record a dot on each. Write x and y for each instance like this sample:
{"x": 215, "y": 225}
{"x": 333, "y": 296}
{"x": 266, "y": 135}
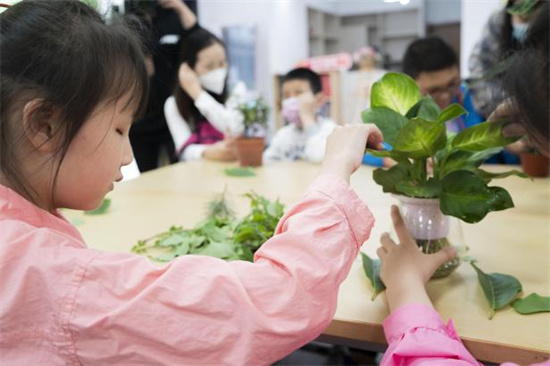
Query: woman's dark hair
{"x": 64, "y": 54}
{"x": 303, "y": 73}
{"x": 196, "y": 41}
{"x": 527, "y": 79}
{"x": 428, "y": 55}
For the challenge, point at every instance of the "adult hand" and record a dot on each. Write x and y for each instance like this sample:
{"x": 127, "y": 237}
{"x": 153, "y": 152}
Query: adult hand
{"x": 345, "y": 148}
{"x": 308, "y": 113}
{"x": 221, "y": 151}
{"x": 189, "y": 81}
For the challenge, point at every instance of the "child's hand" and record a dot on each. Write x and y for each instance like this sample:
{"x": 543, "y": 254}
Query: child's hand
{"x": 346, "y": 146}
{"x": 189, "y": 81}
{"x": 405, "y": 270}
{"x": 307, "y": 109}
{"x": 221, "y": 151}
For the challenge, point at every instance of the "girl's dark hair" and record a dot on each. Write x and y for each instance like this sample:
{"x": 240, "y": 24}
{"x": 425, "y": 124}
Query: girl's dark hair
{"x": 64, "y": 54}
{"x": 527, "y": 79}
{"x": 303, "y": 73}
{"x": 196, "y": 41}
{"x": 508, "y": 44}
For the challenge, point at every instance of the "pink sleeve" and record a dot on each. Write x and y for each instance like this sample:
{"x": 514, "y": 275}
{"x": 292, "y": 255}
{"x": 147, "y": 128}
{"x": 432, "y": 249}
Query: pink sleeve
{"x": 417, "y": 336}
{"x": 208, "y": 311}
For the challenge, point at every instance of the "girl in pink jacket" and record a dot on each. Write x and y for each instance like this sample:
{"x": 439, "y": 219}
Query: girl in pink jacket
{"x": 70, "y": 88}
{"x": 414, "y": 330}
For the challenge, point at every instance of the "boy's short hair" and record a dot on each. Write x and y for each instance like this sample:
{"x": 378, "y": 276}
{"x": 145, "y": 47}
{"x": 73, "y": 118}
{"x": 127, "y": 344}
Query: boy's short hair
{"x": 302, "y": 73}
{"x": 427, "y": 55}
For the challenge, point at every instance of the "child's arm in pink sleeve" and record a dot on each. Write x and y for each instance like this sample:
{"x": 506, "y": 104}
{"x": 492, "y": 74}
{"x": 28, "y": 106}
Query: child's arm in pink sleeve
{"x": 204, "y": 310}
{"x": 417, "y": 336}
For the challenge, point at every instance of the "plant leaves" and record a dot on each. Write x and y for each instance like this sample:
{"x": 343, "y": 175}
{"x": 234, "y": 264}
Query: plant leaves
{"x": 531, "y": 304}
{"x": 466, "y": 196}
{"x": 488, "y": 176}
{"x": 387, "y": 120}
{"x": 522, "y": 8}
{"x": 101, "y": 209}
{"x": 464, "y": 160}
{"x": 395, "y": 91}
{"x": 372, "y": 270}
{"x": 420, "y": 138}
{"x": 388, "y": 179}
{"x": 429, "y": 189}
{"x": 426, "y": 108}
{"x": 451, "y": 112}
{"x": 482, "y": 136}
{"x": 499, "y": 289}
{"x": 239, "y": 172}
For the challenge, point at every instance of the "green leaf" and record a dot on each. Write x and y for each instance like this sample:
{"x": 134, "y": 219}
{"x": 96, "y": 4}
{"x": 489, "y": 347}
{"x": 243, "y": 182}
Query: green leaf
{"x": 101, "y": 209}
{"x": 171, "y": 240}
{"x": 499, "y": 289}
{"x": 426, "y": 109}
{"x": 389, "y": 179}
{"x": 522, "y": 8}
{"x": 466, "y": 196}
{"x": 372, "y": 270}
{"x": 222, "y": 250}
{"x": 531, "y": 304}
{"x": 395, "y": 91}
{"x": 167, "y": 257}
{"x": 451, "y": 112}
{"x": 488, "y": 176}
{"x": 387, "y": 120}
{"x": 464, "y": 160}
{"x": 239, "y": 172}
{"x": 429, "y": 189}
{"x": 420, "y": 138}
{"x": 482, "y": 136}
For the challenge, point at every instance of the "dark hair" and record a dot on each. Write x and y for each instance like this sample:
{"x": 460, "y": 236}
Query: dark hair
{"x": 427, "y": 55}
{"x": 306, "y": 74}
{"x": 527, "y": 79}
{"x": 196, "y": 41}
{"x": 64, "y": 54}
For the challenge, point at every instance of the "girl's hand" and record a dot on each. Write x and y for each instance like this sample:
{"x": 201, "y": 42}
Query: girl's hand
{"x": 308, "y": 114}
{"x": 189, "y": 81}
{"x": 405, "y": 270}
{"x": 346, "y": 146}
{"x": 221, "y": 151}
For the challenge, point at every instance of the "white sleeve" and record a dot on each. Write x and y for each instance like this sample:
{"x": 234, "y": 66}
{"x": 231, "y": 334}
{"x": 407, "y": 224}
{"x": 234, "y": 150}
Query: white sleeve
{"x": 179, "y": 129}
{"x": 315, "y": 145}
{"x": 219, "y": 115}
{"x": 276, "y": 149}
{"x": 193, "y": 152}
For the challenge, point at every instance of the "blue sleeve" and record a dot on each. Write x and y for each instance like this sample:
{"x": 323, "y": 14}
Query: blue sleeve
{"x": 473, "y": 118}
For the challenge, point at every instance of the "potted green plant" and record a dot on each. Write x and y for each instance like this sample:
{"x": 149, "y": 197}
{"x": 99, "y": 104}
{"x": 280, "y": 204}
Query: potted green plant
{"x": 437, "y": 174}
{"x": 250, "y": 146}
{"x": 533, "y": 163}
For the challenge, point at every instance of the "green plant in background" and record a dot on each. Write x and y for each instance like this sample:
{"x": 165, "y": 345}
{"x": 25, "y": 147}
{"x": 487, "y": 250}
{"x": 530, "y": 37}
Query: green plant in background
{"x": 522, "y": 8}
{"x": 101, "y": 209}
{"x": 220, "y": 235}
{"x": 415, "y": 128}
{"x": 255, "y": 116}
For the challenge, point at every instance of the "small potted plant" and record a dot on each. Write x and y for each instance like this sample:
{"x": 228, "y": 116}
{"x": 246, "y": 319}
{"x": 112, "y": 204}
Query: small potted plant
{"x": 250, "y": 145}
{"x": 437, "y": 174}
{"x": 533, "y": 163}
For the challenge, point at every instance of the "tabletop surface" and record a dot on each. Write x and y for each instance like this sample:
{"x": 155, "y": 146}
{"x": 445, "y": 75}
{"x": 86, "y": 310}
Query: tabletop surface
{"x": 514, "y": 242}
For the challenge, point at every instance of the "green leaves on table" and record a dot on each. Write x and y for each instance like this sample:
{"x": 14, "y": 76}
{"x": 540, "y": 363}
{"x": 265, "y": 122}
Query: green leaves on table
{"x": 499, "y": 289}
{"x": 101, "y": 209}
{"x": 239, "y": 172}
{"x": 531, "y": 304}
{"x": 372, "y": 270}
{"x": 220, "y": 235}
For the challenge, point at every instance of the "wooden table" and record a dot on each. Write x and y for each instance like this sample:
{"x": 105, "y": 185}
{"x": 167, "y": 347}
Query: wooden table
{"x": 516, "y": 242}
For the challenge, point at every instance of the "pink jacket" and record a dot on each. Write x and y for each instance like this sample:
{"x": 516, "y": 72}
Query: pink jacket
{"x": 65, "y": 304}
{"x": 418, "y": 337}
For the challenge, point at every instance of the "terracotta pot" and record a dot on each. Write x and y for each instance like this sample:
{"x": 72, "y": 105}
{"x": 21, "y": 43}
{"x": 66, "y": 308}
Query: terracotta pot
{"x": 536, "y": 165}
{"x": 250, "y": 150}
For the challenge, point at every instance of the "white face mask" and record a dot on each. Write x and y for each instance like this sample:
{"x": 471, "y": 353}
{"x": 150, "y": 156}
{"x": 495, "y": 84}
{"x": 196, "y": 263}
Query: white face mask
{"x": 214, "y": 81}
{"x": 519, "y": 31}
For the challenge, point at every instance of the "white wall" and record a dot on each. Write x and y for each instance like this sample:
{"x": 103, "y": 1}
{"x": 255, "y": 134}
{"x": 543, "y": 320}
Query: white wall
{"x": 475, "y": 14}
{"x": 443, "y": 11}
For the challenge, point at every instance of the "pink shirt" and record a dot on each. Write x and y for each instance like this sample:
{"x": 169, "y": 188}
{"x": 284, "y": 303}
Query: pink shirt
{"x": 65, "y": 304}
{"x": 417, "y": 336}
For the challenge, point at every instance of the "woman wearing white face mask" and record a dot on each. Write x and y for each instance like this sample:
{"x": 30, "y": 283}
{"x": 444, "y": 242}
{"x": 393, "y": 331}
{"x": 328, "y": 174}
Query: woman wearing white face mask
{"x": 502, "y": 37}
{"x": 198, "y": 116}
